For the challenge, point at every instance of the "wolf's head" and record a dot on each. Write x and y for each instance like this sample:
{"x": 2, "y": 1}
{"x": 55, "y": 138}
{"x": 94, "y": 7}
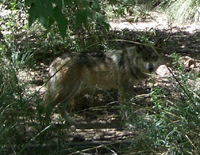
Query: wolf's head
{"x": 145, "y": 58}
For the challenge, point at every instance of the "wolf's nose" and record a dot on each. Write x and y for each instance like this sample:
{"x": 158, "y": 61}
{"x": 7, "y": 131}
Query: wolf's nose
{"x": 151, "y": 68}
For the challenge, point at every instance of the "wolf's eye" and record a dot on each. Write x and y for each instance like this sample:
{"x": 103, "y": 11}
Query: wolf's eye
{"x": 155, "y": 57}
{"x": 145, "y": 59}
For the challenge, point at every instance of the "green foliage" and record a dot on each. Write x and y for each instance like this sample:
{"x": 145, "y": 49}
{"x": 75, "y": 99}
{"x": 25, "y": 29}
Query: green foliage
{"x": 11, "y": 4}
{"x": 64, "y": 12}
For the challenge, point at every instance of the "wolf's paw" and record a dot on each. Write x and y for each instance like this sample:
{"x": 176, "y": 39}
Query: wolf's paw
{"x": 70, "y": 122}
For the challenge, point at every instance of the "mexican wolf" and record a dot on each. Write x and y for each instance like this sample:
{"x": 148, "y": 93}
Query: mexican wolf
{"x": 116, "y": 69}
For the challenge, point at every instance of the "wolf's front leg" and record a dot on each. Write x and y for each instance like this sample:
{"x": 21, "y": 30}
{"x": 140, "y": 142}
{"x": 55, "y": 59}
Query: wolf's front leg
{"x": 126, "y": 94}
{"x": 63, "y": 113}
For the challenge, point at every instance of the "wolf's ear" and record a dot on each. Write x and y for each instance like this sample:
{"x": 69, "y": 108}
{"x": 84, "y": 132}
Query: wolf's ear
{"x": 131, "y": 49}
{"x": 159, "y": 43}
{"x": 139, "y": 45}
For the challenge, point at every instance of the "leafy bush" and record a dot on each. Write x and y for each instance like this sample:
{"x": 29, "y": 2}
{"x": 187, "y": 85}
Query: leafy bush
{"x": 66, "y": 14}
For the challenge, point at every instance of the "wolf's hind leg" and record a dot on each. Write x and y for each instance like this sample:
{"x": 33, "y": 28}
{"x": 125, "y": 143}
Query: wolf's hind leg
{"x": 62, "y": 106}
{"x": 48, "y": 112}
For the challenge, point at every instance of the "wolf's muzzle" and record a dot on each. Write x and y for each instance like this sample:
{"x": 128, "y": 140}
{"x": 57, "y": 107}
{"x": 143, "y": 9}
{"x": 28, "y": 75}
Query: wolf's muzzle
{"x": 150, "y": 67}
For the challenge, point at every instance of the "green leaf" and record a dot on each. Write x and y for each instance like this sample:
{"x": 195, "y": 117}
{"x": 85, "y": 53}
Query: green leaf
{"x": 101, "y": 19}
{"x": 33, "y": 15}
{"x": 58, "y": 3}
{"x": 82, "y": 16}
{"x": 47, "y": 8}
{"x": 67, "y": 2}
{"x": 41, "y": 11}
{"x": 61, "y": 21}
{"x": 28, "y": 2}
{"x": 44, "y": 20}
{"x": 51, "y": 21}
{"x": 95, "y": 5}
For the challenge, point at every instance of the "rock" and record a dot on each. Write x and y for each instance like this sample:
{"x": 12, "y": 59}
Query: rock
{"x": 188, "y": 62}
{"x": 163, "y": 71}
